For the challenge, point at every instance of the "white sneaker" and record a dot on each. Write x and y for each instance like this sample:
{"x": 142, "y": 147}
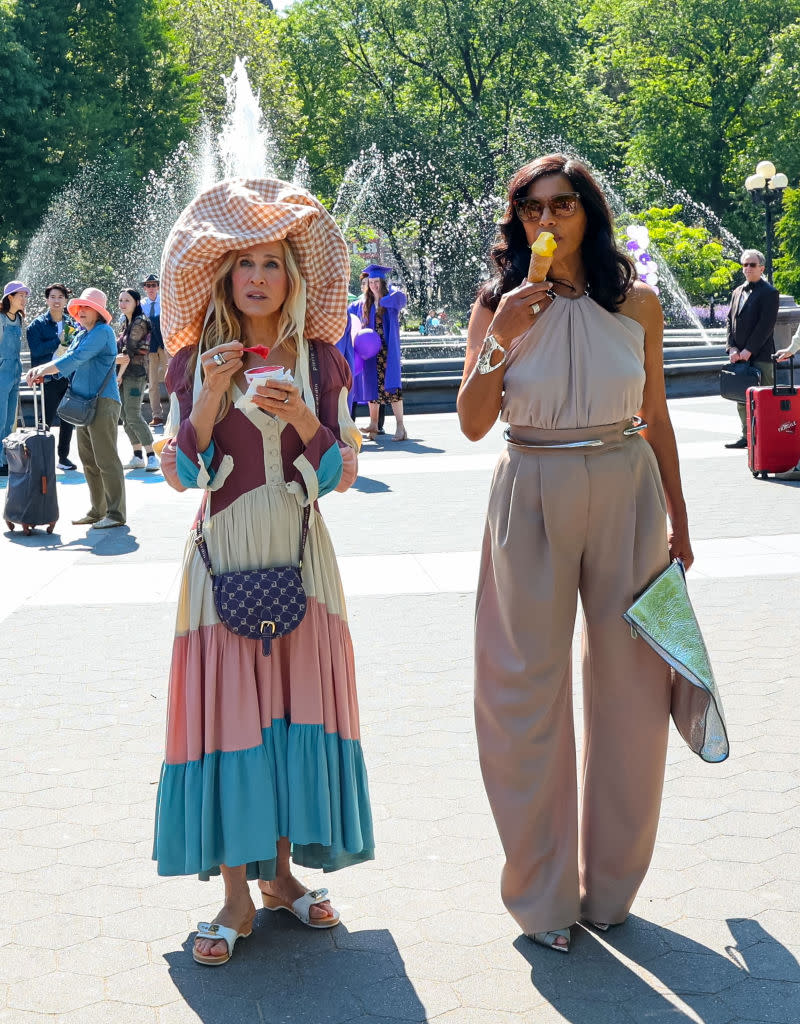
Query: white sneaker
{"x": 135, "y": 463}
{"x": 106, "y": 523}
{"x": 153, "y": 465}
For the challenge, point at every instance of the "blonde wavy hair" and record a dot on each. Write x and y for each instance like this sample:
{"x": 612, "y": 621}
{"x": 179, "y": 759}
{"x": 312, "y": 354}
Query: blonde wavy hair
{"x": 225, "y": 323}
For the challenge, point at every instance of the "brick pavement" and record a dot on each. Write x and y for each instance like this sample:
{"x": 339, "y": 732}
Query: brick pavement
{"x": 92, "y": 936}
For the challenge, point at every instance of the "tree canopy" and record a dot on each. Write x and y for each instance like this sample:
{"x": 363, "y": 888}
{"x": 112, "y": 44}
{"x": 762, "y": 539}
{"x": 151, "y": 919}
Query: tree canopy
{"x": 413, "y": 113}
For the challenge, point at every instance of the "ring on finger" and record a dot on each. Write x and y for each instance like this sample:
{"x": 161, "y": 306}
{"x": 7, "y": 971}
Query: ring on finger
{"x": 286, "y": 400}
{"x": 219, "y": 359}
{"x": 535, "y": 308}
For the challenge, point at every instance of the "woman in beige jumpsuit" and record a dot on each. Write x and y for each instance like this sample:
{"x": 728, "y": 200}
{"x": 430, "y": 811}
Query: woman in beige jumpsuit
{"x": 578, "y": 505}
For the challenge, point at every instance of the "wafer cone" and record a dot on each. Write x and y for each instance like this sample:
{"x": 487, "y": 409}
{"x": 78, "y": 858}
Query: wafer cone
{"x": 542, "y": 252}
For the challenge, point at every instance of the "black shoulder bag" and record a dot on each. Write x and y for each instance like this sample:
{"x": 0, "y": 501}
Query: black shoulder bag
{"x": 261, "y": 604}
{"x": 76, "y": 409}
{"x": 736, "y": 378}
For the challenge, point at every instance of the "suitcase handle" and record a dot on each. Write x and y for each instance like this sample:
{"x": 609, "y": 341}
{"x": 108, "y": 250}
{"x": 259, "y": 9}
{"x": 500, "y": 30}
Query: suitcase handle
{"x": 784, "y": 389}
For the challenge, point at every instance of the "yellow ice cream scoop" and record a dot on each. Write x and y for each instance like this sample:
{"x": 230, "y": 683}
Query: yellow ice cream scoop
{"x": 541, "y": 257}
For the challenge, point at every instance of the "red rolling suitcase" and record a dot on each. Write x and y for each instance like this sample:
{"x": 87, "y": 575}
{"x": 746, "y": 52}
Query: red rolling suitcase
{"x": 773, "y": 427}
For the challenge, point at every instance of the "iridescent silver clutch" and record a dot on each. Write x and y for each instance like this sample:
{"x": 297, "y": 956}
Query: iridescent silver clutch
{"x": 663, "y": 617}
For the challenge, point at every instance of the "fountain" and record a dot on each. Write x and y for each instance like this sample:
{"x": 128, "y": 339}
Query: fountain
{"x": 245, "y": 142}
{"x": 103, "y": 231}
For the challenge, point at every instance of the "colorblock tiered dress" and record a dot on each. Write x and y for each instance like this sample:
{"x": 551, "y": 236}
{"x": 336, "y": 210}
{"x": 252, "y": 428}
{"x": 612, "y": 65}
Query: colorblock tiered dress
{"x": 263, "y": 747}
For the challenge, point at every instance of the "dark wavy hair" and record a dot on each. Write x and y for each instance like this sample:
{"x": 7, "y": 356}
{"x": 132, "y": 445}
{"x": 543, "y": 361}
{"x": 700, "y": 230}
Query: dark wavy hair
{"x": 609, "y": 272}
{"x": 137, "y": 312}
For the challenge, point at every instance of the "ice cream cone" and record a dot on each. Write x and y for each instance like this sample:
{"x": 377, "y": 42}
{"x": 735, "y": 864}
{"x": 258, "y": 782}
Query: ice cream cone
{"x": 542, "y": 252}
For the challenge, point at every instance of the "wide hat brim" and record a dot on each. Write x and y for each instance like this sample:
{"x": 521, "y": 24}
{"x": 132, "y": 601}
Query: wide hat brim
{"x": 234, "y": 215}
{"x": 74, "y": 305}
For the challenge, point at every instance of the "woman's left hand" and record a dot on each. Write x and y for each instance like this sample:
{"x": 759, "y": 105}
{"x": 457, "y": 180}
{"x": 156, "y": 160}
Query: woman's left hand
{"x": 34, "y": 376}
{"x": 282, "y": 399}
{"x": 680, "y": 546}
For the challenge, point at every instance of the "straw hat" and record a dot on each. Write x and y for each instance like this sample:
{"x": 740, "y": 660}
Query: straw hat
{"x": 94, "y": 299}
{"x": 242, "y": 212}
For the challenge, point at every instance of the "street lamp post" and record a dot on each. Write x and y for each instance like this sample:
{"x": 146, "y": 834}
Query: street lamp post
{"x": 766, "y": 186}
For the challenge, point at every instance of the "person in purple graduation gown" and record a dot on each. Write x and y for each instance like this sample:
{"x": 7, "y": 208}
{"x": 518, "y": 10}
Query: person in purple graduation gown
{"x": 379, "y": 382}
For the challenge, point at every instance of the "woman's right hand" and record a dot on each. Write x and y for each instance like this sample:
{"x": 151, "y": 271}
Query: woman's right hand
{"x": 218, "y": 373}
{"x": 515, "y": 313}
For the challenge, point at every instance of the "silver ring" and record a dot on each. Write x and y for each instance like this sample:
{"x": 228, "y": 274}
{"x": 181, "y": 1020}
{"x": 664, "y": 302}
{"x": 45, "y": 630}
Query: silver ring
{"x": 535, "y": 308}
{"x": 286, "y": 400}
{"x": 219, "y": 359}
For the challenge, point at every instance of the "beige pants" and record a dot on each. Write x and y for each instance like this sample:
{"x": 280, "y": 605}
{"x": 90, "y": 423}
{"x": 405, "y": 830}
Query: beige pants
{"x": 97, "y": 449}
{"x": 156, "y": 370}
{"x": 588, "y": 521}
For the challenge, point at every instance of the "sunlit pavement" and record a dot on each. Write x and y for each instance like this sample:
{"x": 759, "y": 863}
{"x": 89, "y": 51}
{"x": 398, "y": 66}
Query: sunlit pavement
{"x": 92, "y": 935}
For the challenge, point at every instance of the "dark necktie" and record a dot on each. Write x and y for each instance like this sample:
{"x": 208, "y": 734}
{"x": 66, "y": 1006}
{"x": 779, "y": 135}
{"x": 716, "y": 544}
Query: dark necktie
{"x": 152, "y": 311}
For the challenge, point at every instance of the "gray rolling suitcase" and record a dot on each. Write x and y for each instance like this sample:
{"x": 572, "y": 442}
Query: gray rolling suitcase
{"x": 31, "y": 498}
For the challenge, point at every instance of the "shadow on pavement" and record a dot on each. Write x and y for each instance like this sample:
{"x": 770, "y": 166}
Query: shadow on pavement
{"x": 758, "y": 979}
{"x": 285, "y": 973}
{"x": 384, "y": 443}
{"x": 367, "y": 485}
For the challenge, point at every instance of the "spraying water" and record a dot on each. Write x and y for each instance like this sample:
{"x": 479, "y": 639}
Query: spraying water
{"x": 245, "y": 143}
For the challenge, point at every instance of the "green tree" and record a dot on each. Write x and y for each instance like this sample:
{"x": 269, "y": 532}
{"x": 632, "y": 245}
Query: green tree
{"x": 97, "y": 79}
{"x": 210, "y": 34}
{"x": 20, "y": 140}
{"x": 692, "y": 81}
{"x": 694, "y": 257}
{"x": 787, "y": 266}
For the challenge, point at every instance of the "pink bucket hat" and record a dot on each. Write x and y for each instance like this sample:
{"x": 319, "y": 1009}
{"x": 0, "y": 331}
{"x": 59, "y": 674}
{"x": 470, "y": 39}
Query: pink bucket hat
{"x": 94, "y": 299}
{"x": 238, "y": 213}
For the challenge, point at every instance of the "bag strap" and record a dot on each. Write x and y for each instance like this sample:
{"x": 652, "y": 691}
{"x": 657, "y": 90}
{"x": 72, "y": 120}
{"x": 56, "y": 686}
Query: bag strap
{"x": 202, "y": 547}
{"x": 199, "y": 539}
{"x": 314, "y": 373}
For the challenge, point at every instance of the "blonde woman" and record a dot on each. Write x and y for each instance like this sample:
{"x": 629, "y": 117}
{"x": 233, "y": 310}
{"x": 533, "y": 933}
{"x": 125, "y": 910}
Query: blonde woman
{"x": 263, "y": 761}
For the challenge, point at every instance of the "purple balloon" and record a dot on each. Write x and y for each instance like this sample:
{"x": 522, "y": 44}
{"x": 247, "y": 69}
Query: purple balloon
{"x": 367, "y": 343}
{"x": 358, "y": 364}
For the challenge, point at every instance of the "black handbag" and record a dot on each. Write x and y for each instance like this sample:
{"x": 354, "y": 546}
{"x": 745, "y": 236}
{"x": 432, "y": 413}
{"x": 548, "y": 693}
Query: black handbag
{"x": 261, "y": 604}
{"x": 76, "y": 409}
{"x": 736, "y": 378}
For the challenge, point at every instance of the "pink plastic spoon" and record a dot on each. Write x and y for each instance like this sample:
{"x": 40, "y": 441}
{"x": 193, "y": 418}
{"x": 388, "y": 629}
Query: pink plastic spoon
{"x": 260, "y": 350}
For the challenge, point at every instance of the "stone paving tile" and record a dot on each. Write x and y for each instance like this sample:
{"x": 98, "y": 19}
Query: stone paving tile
{"x": 57, "y": 992}
{"x": 93, "y": 935}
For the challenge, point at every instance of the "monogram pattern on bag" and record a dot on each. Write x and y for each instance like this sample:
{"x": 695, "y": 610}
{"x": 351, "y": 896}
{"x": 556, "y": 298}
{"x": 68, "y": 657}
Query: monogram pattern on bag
{"x": 246, "y": 600}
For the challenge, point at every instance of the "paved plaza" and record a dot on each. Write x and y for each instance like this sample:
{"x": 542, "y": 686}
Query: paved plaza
{"x": 91, "y": 935}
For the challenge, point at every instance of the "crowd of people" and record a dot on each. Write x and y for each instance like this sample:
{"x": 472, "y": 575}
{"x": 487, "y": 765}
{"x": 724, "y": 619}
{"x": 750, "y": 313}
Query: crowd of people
{"x": 73, "y": 347}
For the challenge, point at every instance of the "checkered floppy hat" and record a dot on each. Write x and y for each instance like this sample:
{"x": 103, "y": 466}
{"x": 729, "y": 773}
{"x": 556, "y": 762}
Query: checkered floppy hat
{"x": 238, "y": 213}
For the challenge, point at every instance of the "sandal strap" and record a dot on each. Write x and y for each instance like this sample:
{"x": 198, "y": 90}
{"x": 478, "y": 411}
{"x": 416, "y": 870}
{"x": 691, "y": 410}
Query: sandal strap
{"x": 219, "y": 933}
{"x": 303, "y": 905}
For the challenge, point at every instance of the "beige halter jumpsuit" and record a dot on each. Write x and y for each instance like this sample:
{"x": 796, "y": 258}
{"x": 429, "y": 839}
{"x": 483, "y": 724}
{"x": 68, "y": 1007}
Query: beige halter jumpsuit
{"x": 563, "y": 522}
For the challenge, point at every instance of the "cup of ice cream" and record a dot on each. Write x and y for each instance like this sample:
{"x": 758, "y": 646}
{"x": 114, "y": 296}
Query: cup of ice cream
{"x": 261, "y": 374}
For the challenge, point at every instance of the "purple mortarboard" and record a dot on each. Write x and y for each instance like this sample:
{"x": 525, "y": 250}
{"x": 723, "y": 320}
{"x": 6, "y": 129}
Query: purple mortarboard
{"x": 376, "y": 270}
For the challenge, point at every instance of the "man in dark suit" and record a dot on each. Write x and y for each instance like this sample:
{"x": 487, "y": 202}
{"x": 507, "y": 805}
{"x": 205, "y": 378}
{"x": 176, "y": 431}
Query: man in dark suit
{"x": 751, "y": 322}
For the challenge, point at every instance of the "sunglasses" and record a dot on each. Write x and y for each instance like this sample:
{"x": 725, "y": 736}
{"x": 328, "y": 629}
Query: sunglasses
{"x": 750, "y": 264}
{"x": 563, "y": 205}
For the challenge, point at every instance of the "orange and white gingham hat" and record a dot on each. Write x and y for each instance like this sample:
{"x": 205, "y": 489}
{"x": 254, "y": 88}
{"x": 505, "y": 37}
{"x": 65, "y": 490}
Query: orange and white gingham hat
{"x": 233, "y": 215}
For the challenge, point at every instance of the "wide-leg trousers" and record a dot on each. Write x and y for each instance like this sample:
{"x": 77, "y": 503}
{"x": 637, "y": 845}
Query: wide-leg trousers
{"x": 588, "y": 521}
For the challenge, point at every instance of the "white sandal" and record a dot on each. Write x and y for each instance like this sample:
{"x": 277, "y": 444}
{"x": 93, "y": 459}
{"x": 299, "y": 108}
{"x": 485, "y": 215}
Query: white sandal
{"x": 218, "y": 933}
{"x": 301, "y": 907}
{"x": 548, "y": 939}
